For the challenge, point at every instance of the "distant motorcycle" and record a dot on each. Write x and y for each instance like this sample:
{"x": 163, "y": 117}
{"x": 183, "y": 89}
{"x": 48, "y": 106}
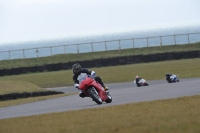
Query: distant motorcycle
{"x": 94, "y": 90}
{"x": 142, "y": 82}
{"x": 172, "y": 79}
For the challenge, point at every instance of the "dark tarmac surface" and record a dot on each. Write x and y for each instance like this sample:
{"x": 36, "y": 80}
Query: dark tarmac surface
{"x": 122, "y": 93}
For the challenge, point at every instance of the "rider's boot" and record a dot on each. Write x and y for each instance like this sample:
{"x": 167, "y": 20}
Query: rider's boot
{"x": 106, "y": 88}
{"x": 82, "y": 94}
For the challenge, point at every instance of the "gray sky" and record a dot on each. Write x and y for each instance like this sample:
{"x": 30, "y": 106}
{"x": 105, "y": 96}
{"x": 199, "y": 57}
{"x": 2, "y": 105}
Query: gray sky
{"x": 22, "y": 20}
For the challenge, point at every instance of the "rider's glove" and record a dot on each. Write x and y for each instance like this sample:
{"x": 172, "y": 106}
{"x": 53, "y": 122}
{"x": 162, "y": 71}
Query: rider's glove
{"x": 76, "y": 86}
{"x": 93, "y": 74}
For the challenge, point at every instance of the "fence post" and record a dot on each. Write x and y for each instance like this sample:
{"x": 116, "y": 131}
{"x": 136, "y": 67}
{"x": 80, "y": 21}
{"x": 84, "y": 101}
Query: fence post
{"x": 175, "y": 39}
{"x": 189, "y": 38}
{"x": 119, "y": 46}
{"x": 23, "y": 54}
{"x": 37, "y": 51}
{"x": 77, "y": 48}
{"x": 51, "y": 50}
{"x": 9, "y": 54}
{"x": 147, "y": 42}
{"x": 92, "y": 46}
{"x": 64, "y": 49}
{"x": 105, "y": 46}
{"x": 133, "y": 42}
{"x": 160, "y": 41}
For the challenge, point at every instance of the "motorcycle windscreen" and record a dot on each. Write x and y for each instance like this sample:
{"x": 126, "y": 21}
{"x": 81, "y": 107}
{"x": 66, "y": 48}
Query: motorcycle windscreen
{"x": 82, "y": 77}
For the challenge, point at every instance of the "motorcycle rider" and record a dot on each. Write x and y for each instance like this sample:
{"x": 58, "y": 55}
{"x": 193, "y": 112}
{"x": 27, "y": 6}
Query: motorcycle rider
{"x": 137, "y": 79}
{"x": 171, "y": 78}
{"x": 167, "y": 77}
{"x": 77, "y": 70}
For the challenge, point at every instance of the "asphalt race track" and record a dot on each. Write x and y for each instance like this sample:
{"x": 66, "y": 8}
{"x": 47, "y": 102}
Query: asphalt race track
{"x": 122, "y": 93}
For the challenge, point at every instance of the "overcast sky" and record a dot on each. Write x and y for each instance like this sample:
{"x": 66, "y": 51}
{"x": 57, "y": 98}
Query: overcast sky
{"x": 22, "y": 20}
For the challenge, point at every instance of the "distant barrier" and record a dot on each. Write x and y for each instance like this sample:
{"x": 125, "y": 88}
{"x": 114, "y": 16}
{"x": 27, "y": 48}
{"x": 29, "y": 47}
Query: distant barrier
{"x": 17, "y": 95}
{"x": 119, "y": 44}
{"x": 103, "y": 62}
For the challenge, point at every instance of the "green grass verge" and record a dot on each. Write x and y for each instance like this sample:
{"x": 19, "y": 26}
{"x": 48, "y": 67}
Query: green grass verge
{"x": 7, "y": 87}
{"x": 18, "y": 86}
{"x": 179, "y": 115}
{"x": 95, "y": 55}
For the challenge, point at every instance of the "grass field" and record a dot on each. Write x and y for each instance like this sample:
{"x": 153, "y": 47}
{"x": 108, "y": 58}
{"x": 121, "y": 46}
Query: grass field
{"x": 17, "y": 86}
{"x": 179, "y": 115}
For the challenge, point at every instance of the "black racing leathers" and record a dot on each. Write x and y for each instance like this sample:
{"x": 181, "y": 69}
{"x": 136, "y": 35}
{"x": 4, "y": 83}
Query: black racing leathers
{"x": 88, "y": 72}
{"x": 137, "y": 81}
{"x": 168, "y": 78}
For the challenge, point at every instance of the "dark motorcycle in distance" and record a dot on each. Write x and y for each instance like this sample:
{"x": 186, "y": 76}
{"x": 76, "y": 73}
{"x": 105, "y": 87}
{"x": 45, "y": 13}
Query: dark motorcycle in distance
{"x": 172, "y": 79}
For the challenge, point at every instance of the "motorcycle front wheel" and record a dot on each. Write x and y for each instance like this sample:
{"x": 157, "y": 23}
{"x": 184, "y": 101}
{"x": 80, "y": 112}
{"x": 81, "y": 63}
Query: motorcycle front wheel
{"x": 94, "y": 95}
{"x": 109, "y": 100}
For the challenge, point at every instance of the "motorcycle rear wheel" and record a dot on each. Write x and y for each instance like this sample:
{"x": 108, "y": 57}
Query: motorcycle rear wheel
{"x": 94, "y": 95}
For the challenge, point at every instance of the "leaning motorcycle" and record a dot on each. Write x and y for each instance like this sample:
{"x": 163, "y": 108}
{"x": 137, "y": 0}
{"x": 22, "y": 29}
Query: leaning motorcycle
{"x": 173, "y": 79}
{"x": 142, "y": 82}
{"x": 94, "y": 90}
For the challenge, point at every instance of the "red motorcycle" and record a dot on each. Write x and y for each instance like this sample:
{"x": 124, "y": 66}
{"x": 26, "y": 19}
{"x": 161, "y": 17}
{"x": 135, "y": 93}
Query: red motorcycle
{"x": 94, "y": 90}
